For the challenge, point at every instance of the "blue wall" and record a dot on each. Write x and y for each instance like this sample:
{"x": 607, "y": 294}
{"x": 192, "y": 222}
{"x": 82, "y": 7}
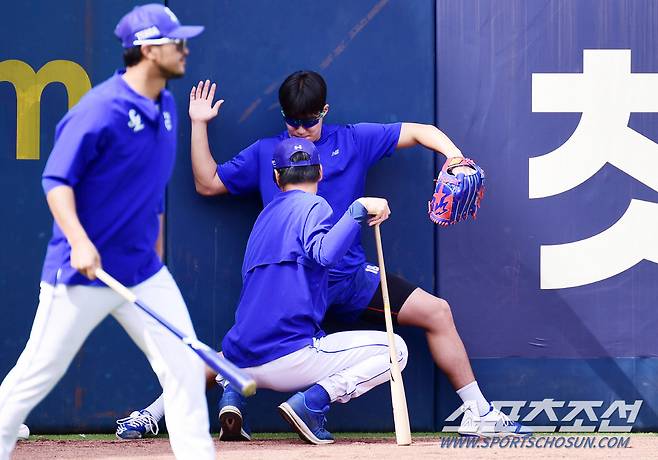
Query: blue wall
{"x": 487, "y": 53}
{"x": 465, "y": 65}
{"x": 207, "y": 236}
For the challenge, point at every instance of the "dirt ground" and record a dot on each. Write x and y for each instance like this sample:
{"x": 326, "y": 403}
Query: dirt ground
{"x": 640, "y": 447}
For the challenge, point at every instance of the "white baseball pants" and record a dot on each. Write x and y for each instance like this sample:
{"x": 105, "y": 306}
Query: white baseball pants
{"x": 345, "y": 364}
{"x": 65, "y": 317}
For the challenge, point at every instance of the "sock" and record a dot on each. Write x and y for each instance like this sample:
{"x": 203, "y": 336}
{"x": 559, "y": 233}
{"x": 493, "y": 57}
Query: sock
{"x": 156, "y": 409}
{"x": 317, "y": 398}
{"x": 229, "y": 389}
{"x": 221, "y": 381}
{"x": 471, "y": 392}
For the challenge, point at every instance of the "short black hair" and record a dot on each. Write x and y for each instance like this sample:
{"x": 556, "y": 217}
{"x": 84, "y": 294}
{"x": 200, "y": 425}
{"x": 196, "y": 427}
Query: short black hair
{"x": 132, "y": 55}
{"x": 303, "y": 94}
{"x": 298, "y": 174}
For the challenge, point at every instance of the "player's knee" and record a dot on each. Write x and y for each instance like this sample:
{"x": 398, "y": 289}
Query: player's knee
{"x": 440, "y": 312}
{"x": 403, "y": 351}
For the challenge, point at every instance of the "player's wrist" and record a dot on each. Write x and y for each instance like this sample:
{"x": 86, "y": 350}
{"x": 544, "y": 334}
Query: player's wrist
{"x": 456, "y": 153}
{"x": 358, "y": 211}
{"x": 199, "y": 122}
{"x": 78, "y": 239}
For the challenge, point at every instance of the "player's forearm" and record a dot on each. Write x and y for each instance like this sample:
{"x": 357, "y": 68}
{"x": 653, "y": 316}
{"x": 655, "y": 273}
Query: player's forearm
{"x": 428, "y": 136}
{"x": 61, "y": 201}
{"x": 204, "y": 167}
{"x": 84, "y": 255}
{"x": 329, "y": 248}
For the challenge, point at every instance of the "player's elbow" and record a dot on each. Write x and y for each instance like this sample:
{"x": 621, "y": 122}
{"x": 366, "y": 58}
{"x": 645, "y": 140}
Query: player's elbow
{"x": 209, "y": 190}
{"x": 204, "y": 190}
{"x": 322, "y": 254}
{"x": 329, "y": 258}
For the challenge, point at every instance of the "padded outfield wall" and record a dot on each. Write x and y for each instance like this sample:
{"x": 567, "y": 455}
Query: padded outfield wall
{"x": 482, "y": 72}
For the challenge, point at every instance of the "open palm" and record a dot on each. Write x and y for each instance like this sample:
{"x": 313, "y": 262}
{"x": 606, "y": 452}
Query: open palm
{"x": 201, "y": 102}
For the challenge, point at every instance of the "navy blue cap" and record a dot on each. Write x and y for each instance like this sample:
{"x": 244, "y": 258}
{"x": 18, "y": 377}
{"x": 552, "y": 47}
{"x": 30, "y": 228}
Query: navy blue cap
{"x": 154, "y": 21}
{"x": 286, "y": 148}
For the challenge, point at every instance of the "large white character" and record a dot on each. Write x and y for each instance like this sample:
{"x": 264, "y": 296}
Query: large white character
{"x": 605, "y": 93}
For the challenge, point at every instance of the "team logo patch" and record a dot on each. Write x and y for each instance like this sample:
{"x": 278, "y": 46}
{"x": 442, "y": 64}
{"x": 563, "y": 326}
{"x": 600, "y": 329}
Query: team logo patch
{"x": 442, "y": 203}
{"x": 167, "y": 120}
{"x": 135, "y": 122}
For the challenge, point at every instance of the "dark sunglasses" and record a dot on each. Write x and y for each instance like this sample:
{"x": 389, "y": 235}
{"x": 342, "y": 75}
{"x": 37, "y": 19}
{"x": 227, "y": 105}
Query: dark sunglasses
{"x": 180, "y": 43}
{"x": 305, "y": 122}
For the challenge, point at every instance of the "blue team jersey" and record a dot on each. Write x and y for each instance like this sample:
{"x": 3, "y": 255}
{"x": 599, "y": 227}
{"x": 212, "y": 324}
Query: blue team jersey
{"x": 116, "y": 149}
{"x": 346, "y": 153}
{"x": 285, "y": 277}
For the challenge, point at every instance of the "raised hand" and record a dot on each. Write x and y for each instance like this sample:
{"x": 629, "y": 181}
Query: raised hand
{"x": 202, "y": 108}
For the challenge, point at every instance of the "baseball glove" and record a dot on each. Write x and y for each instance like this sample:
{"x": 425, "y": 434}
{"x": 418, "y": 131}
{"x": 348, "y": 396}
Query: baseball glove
{"x": 456, "y": 196}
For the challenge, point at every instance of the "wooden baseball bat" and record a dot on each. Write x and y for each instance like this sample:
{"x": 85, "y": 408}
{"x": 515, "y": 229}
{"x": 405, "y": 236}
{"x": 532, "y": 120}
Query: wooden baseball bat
{"x": 400, "y": 413}
{"x": 241, "y": 381}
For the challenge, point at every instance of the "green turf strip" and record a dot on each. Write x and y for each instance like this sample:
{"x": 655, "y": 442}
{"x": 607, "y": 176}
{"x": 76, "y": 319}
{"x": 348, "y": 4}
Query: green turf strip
{"x": 256, "y": 436}
{"x": 266, "y": 436}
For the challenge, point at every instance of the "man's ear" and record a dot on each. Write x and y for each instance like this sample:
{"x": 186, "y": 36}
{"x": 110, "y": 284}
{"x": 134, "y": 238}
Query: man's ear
{"x": 276, "y": 178}
{"x": 147, "y": 52}
{"x": 321, "y": 173}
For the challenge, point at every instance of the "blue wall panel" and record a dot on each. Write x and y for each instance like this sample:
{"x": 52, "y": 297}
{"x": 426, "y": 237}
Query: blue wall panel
{"x": 484, "y": 101}
{"x": 487, "y": 53}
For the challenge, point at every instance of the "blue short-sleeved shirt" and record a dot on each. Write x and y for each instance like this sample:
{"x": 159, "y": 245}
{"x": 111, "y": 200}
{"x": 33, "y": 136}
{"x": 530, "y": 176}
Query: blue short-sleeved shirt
{"x": 346, "y": 153}
{"x": 284, "y": 274}
{"x": 116, "y": 149}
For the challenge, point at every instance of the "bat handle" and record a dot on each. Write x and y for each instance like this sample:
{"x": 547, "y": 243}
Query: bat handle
{"x": 115, "y": 285}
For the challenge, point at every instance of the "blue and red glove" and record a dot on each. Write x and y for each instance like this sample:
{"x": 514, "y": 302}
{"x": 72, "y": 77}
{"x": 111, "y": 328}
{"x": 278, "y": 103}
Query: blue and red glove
{"x": 456, "y": 196}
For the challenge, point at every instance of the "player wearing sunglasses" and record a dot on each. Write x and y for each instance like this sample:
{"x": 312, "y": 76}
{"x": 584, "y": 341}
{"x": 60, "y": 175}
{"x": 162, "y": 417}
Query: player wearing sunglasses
{"x": 347, "y": 152}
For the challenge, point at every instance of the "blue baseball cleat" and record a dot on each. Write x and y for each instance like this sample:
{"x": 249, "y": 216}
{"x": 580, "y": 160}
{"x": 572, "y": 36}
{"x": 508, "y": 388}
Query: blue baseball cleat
{"x": 137, "y": 425}
{"x": 308, "y": 423}
{"x": 233, "y": 426}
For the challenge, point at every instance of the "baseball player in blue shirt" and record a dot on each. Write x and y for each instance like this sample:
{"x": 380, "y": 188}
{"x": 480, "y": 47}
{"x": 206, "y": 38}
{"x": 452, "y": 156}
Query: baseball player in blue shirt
{"x": 277, "y": 337}
{"x": 347, "y": 153}
{"x": 104, "y": 181}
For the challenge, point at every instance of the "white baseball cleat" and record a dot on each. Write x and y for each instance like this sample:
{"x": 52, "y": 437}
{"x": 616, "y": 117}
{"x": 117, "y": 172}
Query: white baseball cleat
{"x": 139, "y": 424}
{"x": 492, "y": 424}
{"x": 23, "y": 432}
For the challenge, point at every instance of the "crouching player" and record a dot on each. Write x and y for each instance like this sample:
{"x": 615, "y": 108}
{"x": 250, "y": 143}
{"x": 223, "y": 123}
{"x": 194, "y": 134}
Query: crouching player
{"x": 277, "y": 337}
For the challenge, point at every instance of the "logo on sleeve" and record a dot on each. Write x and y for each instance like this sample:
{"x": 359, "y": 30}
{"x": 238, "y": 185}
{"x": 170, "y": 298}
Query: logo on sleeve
{"x": 335, "y": 152}
{"x": 167, "y": 120}
{"x": 135, "y": 122}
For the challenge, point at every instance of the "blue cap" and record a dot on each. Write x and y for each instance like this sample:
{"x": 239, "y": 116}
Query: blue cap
{"x": 288, "y": 147}
{"x": 151, "y": 22}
